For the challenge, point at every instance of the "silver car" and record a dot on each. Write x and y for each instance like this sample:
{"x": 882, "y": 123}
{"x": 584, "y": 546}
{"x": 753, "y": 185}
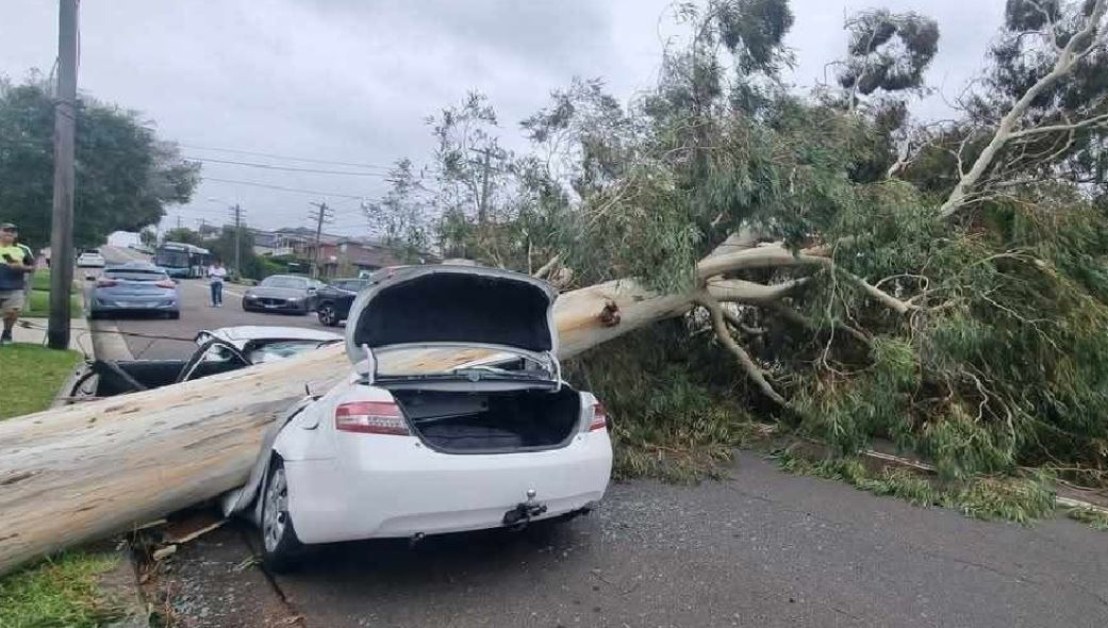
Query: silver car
{"x": 138, "y": 287}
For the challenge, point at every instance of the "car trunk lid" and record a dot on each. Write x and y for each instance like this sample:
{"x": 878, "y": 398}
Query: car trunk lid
{"x": 443, "y": 307}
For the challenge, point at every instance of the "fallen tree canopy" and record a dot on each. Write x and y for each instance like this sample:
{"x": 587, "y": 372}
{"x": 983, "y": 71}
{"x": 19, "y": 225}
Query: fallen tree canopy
{"x": 85, "y": 471}
{"x": 943, "y": 286}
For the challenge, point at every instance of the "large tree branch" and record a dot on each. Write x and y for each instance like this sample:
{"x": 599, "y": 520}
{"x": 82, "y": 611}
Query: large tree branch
{"x": 1068, "y": 58}
{"x": 741, "y": 291}
{"x": 1101, "y": 120}
{"x": 752, "y": 370}
{"x": 770, "y": 256}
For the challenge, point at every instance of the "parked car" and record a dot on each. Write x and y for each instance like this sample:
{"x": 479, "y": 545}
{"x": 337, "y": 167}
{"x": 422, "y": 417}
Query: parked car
{"x": 282, "y": 293}
{"x": 404, "y": 449}
{"x": 218, "y": 351}
{"x": 134, "y": 287}
{"x": 333, "y": 301}
{"x": 90, "y": 258}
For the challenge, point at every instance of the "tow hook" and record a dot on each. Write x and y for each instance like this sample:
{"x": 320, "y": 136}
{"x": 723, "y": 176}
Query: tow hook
{"x": 518, "y": 517}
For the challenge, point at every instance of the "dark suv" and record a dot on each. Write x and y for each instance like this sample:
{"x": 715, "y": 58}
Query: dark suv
{"x": 333, "y": 301}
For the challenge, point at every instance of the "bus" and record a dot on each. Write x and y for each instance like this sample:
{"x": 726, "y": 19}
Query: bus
{"x": 182, "y": 260}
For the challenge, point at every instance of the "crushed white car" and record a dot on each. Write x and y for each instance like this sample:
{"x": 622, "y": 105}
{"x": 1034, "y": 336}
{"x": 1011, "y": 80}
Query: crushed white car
{"x": 403, "y": 450}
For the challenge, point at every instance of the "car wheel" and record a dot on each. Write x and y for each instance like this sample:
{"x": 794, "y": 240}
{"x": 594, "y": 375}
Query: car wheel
{"x": 280, "y": 547}
{"x": 327, "y": 315}
{"x": 174, "y": 316}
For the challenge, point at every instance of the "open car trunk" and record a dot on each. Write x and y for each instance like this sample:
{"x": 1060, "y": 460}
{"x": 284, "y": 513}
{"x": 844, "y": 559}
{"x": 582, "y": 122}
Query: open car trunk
{"x": 492, "y": 422}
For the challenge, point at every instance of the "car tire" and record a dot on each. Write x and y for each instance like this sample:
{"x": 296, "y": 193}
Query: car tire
{"x": 173, "y": 316}
{"x": 327, "y": 315}
{"x": 281, "y": 549}
{"x": 93, "y": 315}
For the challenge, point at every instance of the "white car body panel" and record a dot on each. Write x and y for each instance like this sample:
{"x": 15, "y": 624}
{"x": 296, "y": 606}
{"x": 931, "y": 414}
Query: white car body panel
{"x": 345, "y": 487}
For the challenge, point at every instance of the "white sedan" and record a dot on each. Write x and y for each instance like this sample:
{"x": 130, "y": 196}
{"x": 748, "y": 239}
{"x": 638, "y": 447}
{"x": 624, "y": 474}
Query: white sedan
{"x": 90, "y": 259}
{"x": 406, "y": 449}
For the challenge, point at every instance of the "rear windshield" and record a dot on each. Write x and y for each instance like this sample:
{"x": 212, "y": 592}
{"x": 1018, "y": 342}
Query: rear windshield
{"x": 414, "y": 362}
{"x": 93, "y": 252}
{"x": 139, "y": 274}
{"x": 284, "y": 282}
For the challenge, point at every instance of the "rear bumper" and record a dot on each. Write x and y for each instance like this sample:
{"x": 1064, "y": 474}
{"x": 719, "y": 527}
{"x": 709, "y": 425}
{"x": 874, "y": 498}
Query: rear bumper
{"x": 421, "y": 491}
{"x": 101, "y": 306}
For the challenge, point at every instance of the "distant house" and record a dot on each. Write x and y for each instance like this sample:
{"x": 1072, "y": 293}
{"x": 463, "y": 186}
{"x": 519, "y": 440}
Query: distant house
{"x": 274, "y": 243}
{"x": 338, "y": 255}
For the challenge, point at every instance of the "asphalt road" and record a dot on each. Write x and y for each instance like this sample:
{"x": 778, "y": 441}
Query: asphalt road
{"x": 764, "y": 548}
{"x": 160, "y": 339}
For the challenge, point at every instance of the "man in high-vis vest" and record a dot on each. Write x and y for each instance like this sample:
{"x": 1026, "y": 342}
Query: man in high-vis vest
{"x": 16, "y": 262}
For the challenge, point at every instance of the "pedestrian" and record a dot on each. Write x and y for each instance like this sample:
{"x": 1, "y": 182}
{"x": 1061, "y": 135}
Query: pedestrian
{"x": 216, "y": 274}
{"x": 18, "y": 262}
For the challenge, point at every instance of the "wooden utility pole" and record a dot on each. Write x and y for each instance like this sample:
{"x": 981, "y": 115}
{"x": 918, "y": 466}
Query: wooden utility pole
{"x": 321, "y": 215}
{"x": 65, "y": 123}
{"x": 236, "y": 211}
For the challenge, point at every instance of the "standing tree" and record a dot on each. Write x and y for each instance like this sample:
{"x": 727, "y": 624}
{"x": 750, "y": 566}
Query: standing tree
{"x": 126, "y": 176}
{"x": 1046, "y": 111}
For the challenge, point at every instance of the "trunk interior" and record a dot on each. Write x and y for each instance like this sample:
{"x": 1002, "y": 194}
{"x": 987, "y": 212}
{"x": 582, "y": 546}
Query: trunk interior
{"x": 469, "y": 422}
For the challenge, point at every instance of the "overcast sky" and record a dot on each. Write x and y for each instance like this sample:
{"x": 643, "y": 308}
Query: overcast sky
{"x": 353, "y": 80}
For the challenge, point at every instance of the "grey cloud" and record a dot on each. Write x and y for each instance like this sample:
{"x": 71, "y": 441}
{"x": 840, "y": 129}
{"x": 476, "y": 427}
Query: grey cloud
{"x": 353, "y": 80}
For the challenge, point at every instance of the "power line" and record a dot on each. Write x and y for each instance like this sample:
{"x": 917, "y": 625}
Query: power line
{"x": 285, "y": 168}
{"x": 283, "y": 189}
{"x": 286, "y": 157}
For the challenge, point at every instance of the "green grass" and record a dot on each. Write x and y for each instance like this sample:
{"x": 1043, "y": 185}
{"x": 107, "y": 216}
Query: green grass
{"x": 41, "y": 281}
{"x": 1095, "y": 519}
{"x": 38, "y": 306}
{"x": 32, "y": 377}
{"x": 61, "y": 592}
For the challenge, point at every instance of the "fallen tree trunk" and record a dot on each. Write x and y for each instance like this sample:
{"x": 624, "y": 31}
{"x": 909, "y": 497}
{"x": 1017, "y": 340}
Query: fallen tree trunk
{"x": 83, "y": 472}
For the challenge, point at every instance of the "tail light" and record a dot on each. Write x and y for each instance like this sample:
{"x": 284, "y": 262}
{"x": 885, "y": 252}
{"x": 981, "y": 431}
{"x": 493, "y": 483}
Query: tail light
{"x": 599, "y": 419}
{"x": 166, "y": 283}
{"x": 371, "y": 417}
{"x": 105, "y": 283}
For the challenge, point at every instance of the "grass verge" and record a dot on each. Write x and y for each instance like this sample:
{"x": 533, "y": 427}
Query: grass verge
{"x": 32, "y": 377}
{"x": 62, "y": 591}
{"x": 38, "y": 302}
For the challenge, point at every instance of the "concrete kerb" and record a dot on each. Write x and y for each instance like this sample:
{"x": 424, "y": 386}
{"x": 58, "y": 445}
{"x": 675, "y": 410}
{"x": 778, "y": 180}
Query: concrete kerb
{"x": 80, "y": 340}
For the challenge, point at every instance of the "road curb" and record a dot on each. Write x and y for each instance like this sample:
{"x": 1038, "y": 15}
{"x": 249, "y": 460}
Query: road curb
{"x": 63, "y": 393}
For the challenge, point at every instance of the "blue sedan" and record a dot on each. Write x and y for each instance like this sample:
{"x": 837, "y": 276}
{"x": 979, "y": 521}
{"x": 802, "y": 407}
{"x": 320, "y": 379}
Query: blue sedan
{"x": 139, "y": 287}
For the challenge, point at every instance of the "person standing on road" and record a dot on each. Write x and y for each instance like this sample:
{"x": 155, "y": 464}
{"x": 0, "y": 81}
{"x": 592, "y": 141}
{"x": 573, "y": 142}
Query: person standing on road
{"x": 16, "y": 262}
{"x": 216, "y": 275}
